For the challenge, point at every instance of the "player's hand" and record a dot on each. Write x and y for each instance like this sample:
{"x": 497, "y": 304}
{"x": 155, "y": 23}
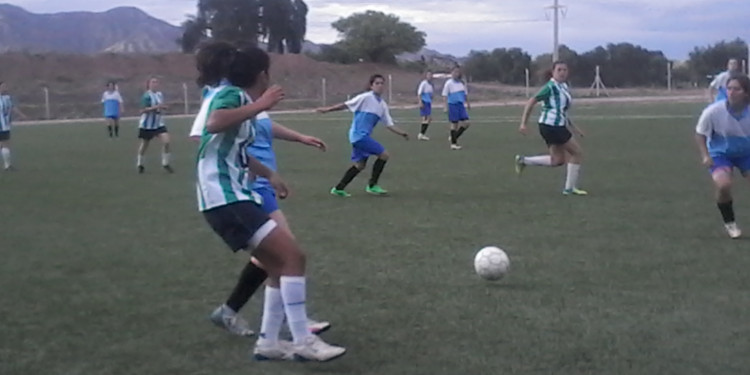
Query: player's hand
{"x": 445, "y": 109}
{"x": 272, "y": 96}
{"x": 406, "y": 136}
{"x": 707, "y": 161}
{"x": 580, "y": 132}
{"x": 279, "y": 186}
{"x": 315, "y": 142}
{"x": 421, "y": 104}
{"x": 468, "y": 106}
{"x": 522, "y": 129}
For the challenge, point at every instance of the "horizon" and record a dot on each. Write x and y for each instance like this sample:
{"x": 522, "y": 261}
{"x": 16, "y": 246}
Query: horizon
{"x": 638, "y": 22}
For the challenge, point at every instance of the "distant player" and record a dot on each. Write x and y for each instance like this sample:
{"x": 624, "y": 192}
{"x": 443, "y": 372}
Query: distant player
{"x": 718, "y": 87}
{"x": 369, "y": 109}
{"x": 554, "y": 126}
{"x": 7, "y": 108}
{"x": 456, "y": 96}
{"x": 424, "y": 94}
{"x": 723, "y": 137}
{"x": 233, "y": 212}
{"x": 112, "y": 101}
{"x": 152, "y": 125}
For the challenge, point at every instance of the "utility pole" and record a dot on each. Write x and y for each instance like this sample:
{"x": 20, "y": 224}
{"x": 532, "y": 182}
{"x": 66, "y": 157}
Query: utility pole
{"x": 556, "y": 10}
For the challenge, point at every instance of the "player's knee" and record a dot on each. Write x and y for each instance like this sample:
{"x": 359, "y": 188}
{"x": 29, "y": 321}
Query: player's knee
{"x": 360, "y": 165}
{"x": 557, "y": 160}
{"x": 384, "y": 156}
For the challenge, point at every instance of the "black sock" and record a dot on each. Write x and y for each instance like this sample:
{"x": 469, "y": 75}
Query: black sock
{"x": 727, "y": 211}
{"x": 348, "y": 177}
{"x": 251, "y": 278}
{"x": 424, "y": 128}
{"x": 459, "y": 132}
{"x": 109, "y": 128}
{"x": 377, "y": 169}
{"x": 454, "y": 138}
{"x": 117, "y": 130}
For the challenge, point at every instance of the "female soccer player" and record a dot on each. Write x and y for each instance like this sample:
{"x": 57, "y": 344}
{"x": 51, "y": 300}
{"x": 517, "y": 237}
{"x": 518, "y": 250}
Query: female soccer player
{"x": 723, "y": 138}
{"x": 233, "y": 211}
{"x": 456, "y": 104}
{"x": 112, "y": 101}
{"x": 553, "y": 126}
{"x": 424, "y": 94}
{"x": 369, "y": 108}
{"x": 6, "y": 119}
{"x": 152, "y": 124}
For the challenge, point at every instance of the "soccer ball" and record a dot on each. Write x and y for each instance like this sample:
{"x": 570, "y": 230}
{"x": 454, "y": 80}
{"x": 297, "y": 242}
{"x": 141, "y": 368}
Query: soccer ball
{"x": 491, "y": 263}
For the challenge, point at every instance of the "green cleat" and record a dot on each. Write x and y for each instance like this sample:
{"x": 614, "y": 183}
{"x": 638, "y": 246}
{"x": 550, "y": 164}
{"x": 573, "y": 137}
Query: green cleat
{"x": 340, "y": 193}
{"x": 376, "y": 190}
{"x": 519, "y": 164}
{"x": 575, "y": 191}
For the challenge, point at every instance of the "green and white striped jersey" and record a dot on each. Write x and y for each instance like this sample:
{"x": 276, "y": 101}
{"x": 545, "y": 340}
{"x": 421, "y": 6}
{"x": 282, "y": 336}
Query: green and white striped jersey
{"x": 223, "y": 177}
{"x": 151, "y": 120}
{"x": 556, "y": 101}
{"x": 6, "y": 112}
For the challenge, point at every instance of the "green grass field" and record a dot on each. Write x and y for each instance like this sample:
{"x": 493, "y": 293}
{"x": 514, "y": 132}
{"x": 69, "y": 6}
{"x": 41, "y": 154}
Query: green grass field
{"x": 105, "y": 271}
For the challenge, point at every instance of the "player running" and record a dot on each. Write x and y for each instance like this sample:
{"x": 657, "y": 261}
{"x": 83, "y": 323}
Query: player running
{"x": 152, "y": 125}
{"x": 424, "y": 94}
{"x": 718, "y": 88}
{"x": 7, "y": 108}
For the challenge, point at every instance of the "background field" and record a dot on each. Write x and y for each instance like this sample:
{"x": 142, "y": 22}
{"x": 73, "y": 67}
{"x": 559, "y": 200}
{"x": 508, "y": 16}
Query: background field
{"x": 106, "y": 271}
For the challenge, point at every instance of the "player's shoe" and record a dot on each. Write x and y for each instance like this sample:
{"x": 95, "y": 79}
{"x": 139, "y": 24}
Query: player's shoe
{"x": 575, "y": 191}
{"x": 520, "y": 166}
{"x": 224, "y": 317}
{"x": 168, "y": 169}
{"x": 313, "y": 348}
{"x": 141, "y": 169}
{"x": 273, "y": 351}
{"x": 375, "y": 190}
{"x": 422, "y": 137}
{"x": 455, "y": 147}
{"x": 316, "y": 327}
{"x": 733, "y": 230}
{"x": 340, "y": 193}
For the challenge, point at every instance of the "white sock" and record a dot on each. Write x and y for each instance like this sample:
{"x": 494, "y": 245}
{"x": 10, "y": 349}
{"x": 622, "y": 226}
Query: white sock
{"x": 571, "y": 180}
{"x": 165, "y": 158}
{"x": 541, "y": 160}
{"x": 293, "y": 294}
{"x": 139, "y": 160}
{"x": 6, "y": 156}
{"x": 273, "y": 315}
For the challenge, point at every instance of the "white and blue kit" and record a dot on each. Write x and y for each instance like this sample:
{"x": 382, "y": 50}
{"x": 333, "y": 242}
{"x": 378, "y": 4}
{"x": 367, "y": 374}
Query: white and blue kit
{"x": 425, "y": 91}
{"x": 369, "y": 109}
{"x": 112, "y": 102}
{"x": 456, "y": 92}
{"x": 728, "y": 136}
{"x": 720, "y": 85}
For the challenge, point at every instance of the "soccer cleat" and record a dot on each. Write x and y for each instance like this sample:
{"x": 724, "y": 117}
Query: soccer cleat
{"x": 340, "y": 193}
{"x": 272, "y": 351}
{"x": 313, "y": 348}
{"x": 168, "y": 169}
{"x": 223, "y": 317}
{"x": 141, "y": 169}
{"x": 422, "y": 137}
{"x": 519, "y": 165}
{"x": 375, "y": 190}
{"x": 575, "y": 191}
{"x": 455, "y": 147}
{"x": 733, "y": 230}
{"x": 316, "y": 327}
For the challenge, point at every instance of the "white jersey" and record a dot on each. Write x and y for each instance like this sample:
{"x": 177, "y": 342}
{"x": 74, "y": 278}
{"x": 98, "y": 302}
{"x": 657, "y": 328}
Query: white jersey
{"x": 726, "y": 134}
{"x": 222, "y": 157}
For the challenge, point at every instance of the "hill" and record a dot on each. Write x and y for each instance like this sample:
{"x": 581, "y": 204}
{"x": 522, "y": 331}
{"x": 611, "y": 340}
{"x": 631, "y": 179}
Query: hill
{"x": 123, "y": 29}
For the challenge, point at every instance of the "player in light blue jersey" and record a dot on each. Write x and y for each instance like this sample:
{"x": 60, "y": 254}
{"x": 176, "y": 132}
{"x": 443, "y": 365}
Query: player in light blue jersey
{"x": 112, "y": 102}
{"x": 151, "y": 125}
{"x": 7, "y": 108}
{"x": 369, "y": 109}
{"x": 718, "y": 87}
{"x": 723, "y": 138}
{"x": 424, "y": 95}
{"x": 456, "y": 96}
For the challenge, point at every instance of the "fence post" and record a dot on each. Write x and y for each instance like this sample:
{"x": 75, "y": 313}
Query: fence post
{"x": 669, "y": 76}
{"x": 390, "y": 88}
{"x": 528, "y": 82}
{"x": 46, "y": 103}
{"x": 186, "y": 98}
{"x": 323, "y": 84}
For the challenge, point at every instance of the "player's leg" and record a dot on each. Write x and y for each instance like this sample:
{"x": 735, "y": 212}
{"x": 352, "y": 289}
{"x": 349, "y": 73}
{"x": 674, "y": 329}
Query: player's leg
{"x": 426, "y": 113}
{"x": 5, "y": 150}
{"x": 116, "y": 124}
{"x": 368, "y": 146}
{"x": 575, "y": 152}
{"x": 110, "y": 126}
{"x": 721, "y": 174}
{"x": 145, "y": 139}
{"x": 165, "y": 155}
{"x": 555, "y": 158}
{"x": 359, "y": 159}
{"x": 464, "y": 121}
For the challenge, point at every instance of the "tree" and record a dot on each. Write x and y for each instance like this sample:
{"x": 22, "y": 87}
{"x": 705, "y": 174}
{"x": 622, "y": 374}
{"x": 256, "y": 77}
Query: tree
{"x": 377, "y": 37}
{"x": 705, "y": 61}
{"x": 284, "y": 24}
{"x": 501, "y": 65}
{"x": 194, "y": 32}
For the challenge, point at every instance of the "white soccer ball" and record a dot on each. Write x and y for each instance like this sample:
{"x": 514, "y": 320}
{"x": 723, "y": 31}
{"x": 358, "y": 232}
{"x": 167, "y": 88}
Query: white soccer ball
{"x": 491, "y": 263}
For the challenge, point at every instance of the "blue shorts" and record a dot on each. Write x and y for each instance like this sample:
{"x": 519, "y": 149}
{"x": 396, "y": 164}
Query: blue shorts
{"x": 112, "y": 117}
{"x": 270, "y": 204}
{"x": 725, "y": 162}
{"x": 457, "y": 113}
{"x": 426, "y": 110}
{"x": 364, "y": 148}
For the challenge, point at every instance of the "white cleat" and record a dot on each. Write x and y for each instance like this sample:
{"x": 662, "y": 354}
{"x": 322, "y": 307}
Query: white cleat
{"x": 315, "y": 349}
{"x": 422, "y": 137}
{"x": 455, "y": 147}
{"x": 733, "y": 230}
{"x": 281, "y": 350}
{"x": 223, "y": 317}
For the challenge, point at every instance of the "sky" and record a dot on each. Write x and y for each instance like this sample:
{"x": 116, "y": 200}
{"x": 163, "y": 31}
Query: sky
{"x": 459, "y": 26}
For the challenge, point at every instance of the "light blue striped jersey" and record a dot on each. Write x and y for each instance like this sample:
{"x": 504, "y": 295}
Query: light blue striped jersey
{"x": 727, "y": 134}
{"x": 455, "y": 91}
{"x": 262, "y": 146}
{"x": 153, "y": 119}
{"x": 6, "y": 113}
{"x": 369, "y": 109}
{"x": 425, "y": 91}
{"x": 111, "y": 101}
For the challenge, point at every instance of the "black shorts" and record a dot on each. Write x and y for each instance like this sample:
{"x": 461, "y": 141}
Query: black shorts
{"x": 5, "y": 136}
{"x": 242, "y": 225}
{"x": 149, "y": 134}
{"x": 555, "y": 135}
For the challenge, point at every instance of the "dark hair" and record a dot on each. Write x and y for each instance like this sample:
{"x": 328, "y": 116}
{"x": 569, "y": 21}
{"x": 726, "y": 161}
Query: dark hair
{"x": 148, "y": 82}
{"x": 550, "y": 73}
{"x": 744, "y": 82}
{"x": 111, "y": 83}
{"x": 373, "y": 78}
{"x": 219, "y": 60}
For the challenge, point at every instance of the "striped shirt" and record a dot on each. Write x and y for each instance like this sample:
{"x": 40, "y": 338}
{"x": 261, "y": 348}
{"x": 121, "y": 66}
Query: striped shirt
{"x": 6, "y": 111}
{"x": 556, "y": 101}
{"x": 222, "y": 157}
{"x": 153, "y": 119}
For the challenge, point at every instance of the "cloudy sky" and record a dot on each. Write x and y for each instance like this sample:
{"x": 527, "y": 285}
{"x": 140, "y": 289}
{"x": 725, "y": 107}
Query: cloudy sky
{"x": 458, "y": 26}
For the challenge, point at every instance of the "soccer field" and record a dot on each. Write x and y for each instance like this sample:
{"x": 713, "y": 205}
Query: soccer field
{"x": 105, "y": 271}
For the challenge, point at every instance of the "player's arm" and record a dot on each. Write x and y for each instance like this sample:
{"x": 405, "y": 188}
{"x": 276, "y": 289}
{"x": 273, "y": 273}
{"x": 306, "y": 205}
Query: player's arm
{"x": 574, "y": 128}
{"x": 333, "y": 108}
{"x": 282, "y": 132}
{"x": 146, "y": 105}
{"x": 420, "y": 91}
{"x": 702, "y": 131}
{"x": 390, "y": 125}
{"x": 527, "y": 112}
{"x": 468, "y": 105}
{"x": 223, "y": 119}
